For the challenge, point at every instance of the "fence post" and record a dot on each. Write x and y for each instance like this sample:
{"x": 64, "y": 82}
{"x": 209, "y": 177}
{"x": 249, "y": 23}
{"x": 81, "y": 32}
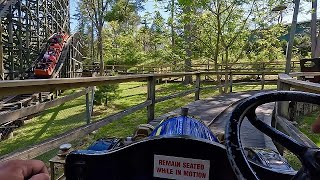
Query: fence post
{"x": 231, "y": 81}
{"x": 226, "y": 81}
{"x": 197, "y": 93}
{"x": 92, "y": 99}
{"x": 152, "y": 97}
{"x": 293, "y": 67}
{"x": 283, "y": 106}
{"x": 88, "y": 113}
{"x": 263, "y": 80}
{"x": 56, "y": 93}
{"x": 219, "y": 82}
{"x": 40, "y": 97}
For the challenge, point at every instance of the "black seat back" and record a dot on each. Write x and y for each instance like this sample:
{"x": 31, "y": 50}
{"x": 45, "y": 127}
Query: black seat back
{"x": 153, "y": 158}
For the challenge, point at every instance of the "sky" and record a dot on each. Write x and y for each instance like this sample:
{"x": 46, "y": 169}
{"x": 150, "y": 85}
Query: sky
{"x": 151, "y": 7}
{"x": 73, "y": 5}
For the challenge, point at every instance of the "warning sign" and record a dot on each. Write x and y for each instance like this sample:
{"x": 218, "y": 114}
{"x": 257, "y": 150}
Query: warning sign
{"x": 180, "y": 168}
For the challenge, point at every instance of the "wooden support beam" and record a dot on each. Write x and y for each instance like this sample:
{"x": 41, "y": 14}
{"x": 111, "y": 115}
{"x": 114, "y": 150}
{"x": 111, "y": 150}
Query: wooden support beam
{"x": 1, "y": 52}
{"x": 15, "y": 87}
{"x": 231, "y": 82}
{"x": 263, "y": 80}
{"x": 151, "y": 97}
{"x": 88, "y": 113}
{"x": 197, "y": 86}
{"x": 283, "y": 106}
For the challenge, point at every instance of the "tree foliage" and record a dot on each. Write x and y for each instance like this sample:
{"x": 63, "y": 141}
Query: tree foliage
{"x": 184, "y": 32}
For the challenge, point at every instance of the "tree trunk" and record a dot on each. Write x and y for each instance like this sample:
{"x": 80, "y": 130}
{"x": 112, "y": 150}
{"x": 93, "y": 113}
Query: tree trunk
{"x": 100, "y": 49}
{"x": 187, "y": 37}
{"x": 226, "y": 78}
{"x": 217, "y": 50}
{"x": 172, "y": 27}
{"x": 314, "y": 29}
{"x": 92, "y": 43}
{"x": 291, "y": 39}
{"x": 172, "y": 34}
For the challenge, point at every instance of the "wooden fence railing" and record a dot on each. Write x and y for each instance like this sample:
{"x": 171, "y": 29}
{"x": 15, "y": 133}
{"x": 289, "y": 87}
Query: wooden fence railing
{"x": 282, "y": 118}
{"x": 35, "y": 86}
{"x": 244, "y": 67}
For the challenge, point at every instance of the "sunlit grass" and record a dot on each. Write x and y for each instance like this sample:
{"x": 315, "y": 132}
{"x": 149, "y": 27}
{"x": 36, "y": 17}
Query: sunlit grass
{"x": 49, "y": 123}
{"x": 304, "y": 125}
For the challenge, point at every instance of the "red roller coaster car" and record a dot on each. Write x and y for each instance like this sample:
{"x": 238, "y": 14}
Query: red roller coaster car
{"x": 49, "y": 59}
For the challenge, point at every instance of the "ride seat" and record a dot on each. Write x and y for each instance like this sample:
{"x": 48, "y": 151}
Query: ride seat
{"x": 141, "y": 160}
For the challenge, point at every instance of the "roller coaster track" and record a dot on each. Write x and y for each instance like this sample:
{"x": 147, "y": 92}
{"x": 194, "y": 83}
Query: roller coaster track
{"x": 15, "y": 101}
{"x": 25, "y": 28}
{"x": 11, "y": 103}
{"x": 4, "y": 7}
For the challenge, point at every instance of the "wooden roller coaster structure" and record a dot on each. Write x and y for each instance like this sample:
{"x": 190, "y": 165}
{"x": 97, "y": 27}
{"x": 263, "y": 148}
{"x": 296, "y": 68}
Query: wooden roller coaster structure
{"x": 26, "y": 27}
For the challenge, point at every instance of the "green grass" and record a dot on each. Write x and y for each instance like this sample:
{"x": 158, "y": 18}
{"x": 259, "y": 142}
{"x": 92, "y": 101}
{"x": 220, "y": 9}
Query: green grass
{"x": 70, "y": 115}
{"x": 304, "y": 124}
{"x": 48, "y": 124}
{"x": 305, "y": 127}
{"x": 133, "y": 96}
{"x": 292, "y": 160}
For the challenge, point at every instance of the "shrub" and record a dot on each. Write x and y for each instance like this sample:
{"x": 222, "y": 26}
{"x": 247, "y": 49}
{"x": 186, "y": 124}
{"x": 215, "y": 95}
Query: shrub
{"x": 107, "y": 93}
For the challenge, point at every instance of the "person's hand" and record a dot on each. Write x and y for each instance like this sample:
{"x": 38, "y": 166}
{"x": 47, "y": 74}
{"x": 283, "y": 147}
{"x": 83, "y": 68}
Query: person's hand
{"x": 316, "y": 125}
{"x": 23, "y": 169}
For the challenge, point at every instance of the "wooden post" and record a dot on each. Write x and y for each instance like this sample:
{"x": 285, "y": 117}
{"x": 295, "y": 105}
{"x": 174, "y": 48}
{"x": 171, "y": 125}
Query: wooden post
{"x": 231, "y": 81}
{"x": 40, "y": 97}
{"x": 56, "y": 93}
{"x": 293, "y": 67}
{"x": 283, "y": 106}
{"x": 226, "y": 81}
{"x": 263, "y": 80}
{"x": 151, "y": 96}
{"x": 197, "y": 84}
{"x": 219, "y": 80}
{"x": 88, "y": 113}
{"x": 92, "y": 99}
{"x": 1, "y": 53}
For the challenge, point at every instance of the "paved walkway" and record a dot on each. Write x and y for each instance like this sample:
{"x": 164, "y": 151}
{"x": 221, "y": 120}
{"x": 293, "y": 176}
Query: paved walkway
{"x": 209, "y": 109}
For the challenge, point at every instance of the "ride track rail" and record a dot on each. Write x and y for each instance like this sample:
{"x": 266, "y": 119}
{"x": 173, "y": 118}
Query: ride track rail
{"x": 224, "y": 112}
{"x": 218, "y": 123}
{"x": 4, "y": 7}
{"x": 11, "y": 103}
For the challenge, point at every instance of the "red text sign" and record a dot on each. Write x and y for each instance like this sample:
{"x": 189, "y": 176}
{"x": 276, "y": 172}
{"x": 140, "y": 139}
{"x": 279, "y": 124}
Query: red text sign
{"x": 180, "y": 168}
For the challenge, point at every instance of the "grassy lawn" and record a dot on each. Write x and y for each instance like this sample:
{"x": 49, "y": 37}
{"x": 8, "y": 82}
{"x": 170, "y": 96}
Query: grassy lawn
{"x": 305, "y": 126}
{"x": 48, "y": 124}
{"x": 72, "y": 114}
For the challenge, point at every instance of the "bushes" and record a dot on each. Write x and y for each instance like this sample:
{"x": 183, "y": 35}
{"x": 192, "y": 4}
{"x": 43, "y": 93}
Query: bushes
{"x": 106, "y": 93}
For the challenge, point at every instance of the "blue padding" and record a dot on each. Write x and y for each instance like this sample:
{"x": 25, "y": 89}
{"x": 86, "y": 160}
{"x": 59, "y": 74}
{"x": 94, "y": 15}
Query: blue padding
{"x": 88, "y": 152}
{"x": 184, "y": 125}
{"x": 101, "y": 145}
